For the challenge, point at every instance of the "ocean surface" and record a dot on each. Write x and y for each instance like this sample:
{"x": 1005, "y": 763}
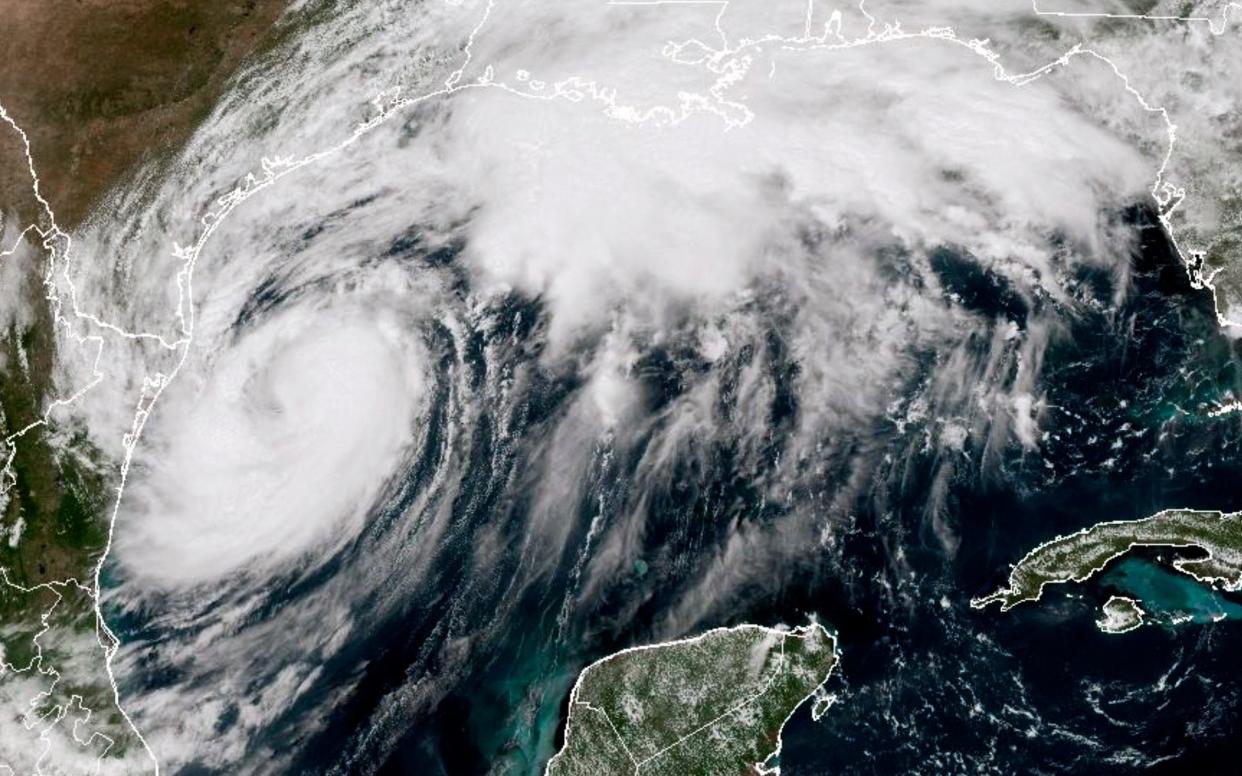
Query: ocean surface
{"x": 475, "y": 633}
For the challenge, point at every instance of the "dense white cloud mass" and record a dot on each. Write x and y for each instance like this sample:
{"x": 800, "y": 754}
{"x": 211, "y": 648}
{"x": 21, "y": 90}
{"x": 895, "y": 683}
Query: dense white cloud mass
{"x": 912, "y": 144}
{"x": 333, "y": 391}
{"x": 917, "y": 135}
{"x": 575, "y": 189}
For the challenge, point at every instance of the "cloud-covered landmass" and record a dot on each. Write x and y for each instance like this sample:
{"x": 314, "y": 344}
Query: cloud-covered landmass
{"x": 502, "y": 264}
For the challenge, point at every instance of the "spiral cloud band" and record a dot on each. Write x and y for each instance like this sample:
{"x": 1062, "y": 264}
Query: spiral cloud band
{"x": 452, "y": 309}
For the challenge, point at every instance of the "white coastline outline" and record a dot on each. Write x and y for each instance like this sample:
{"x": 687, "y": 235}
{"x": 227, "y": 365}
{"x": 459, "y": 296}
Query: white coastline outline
{"x": 1218, "y": 25}
{"x": 1167, "y": 196}
{"x": 1003, "y": 593}
{"x": 802, "y": 631}
{"x": 54, "y": 715}
{"x": 1139, "y": 610}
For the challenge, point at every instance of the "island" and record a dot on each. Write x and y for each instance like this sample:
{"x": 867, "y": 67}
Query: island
{"x": 712, "y": 704}
{"x": 1120, "y": 615}
{"x": 1079, "y": 556}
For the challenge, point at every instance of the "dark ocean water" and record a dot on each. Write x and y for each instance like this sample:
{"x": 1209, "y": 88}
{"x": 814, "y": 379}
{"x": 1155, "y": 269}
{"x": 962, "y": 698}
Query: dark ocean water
{"x": 926, "y": 684}
{"x": 937, "y": 688}
{"x": 467, "y": 664}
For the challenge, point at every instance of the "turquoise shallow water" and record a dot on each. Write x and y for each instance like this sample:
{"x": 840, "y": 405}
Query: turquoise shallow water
{"x": 477, "y": 595}
{"x": 1167, "y": 595}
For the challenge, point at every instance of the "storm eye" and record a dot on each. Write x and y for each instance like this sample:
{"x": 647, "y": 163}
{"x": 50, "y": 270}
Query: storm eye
{"x": 424, "y": 386}
{"x": 280, "y": 449}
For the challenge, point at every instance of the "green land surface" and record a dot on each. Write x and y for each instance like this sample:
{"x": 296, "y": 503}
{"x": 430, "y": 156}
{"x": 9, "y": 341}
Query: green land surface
{"x": 98, "y": 89}
{"x": 55, "y": 491}
{"x": 1120, "y": 615}
{"x": 1079, "y": 556}
{"x": 714, "y": 704}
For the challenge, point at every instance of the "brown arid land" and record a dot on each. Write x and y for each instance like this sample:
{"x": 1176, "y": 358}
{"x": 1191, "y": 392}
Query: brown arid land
{"x": 100, "y": 88}
{"x": 101, "y": 85}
